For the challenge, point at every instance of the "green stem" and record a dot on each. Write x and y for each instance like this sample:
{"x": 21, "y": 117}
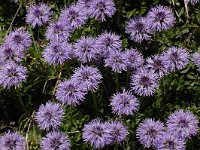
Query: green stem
{"x": 116, "y": 146}
{"x": 119, "y": 13}
{"x": 95, "y": 102}
{"x": 117, "y": 81}
{"x": 21, "y": 101}
{"x": 71, "y": 116}
{"x": 127, "y": 77}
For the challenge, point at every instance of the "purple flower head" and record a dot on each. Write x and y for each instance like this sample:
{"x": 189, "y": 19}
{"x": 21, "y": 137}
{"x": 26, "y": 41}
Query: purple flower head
{"x": 12, "y": 74}
{"x": 176, "y": 58}
{"x": 85, "y": 5}
{"x": 88, "y": 76}
{"x": 55, "y": 140}
{"x": 49, "y": 116}
{"x": 160, "y": 18}
{"x": 73, "y": 16}
{"x": 139, "y": 29}
{"x": 71, "y": 92}
{"x": 124, "y": 103}
{"x": 57, "y": 53}
{"x": 117, "y": 61}
{"x": 12, "y": 141}
{"x": 193, "y": 2}
{"x": 196, "y": 59}
{"x": 85, "y": 49}
{"x": 38, "y": 15}
{"x": 158, "y": 64}
{"x": 134, "y": 58}
{"x": 19, "y": 39}
{"x": 58, "y": 31}
{"x": 144, "y": 82}
{"x": 97, "y": 134}
{"x": 183, "y": 123}
{"x": 118, "y": 131}
{"x": 149, "y": 132}
{"x": 108, "y": 42}
{"x": 101, "y": 8}
{"x": 170, "y": 142}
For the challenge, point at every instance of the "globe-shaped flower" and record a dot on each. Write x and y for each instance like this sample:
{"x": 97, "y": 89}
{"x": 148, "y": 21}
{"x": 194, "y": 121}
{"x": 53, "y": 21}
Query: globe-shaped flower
{"x": 193, "y": 2}
{"x": 97, "y": 134}
{"x": 183, "y": 124}
{"x": 57, "y": 53}
{"x": 88, "y": 76}
{"x": 160, "y": 18}
{"x": 196, "y": 59}
{"x": 12, "y": 74}
{"x": 124, "y": 103}
{"x": 49, "y": 116}
{"x": 149, "y": 132}
{"x": 85, "y": 5}
{"x": 12, "y": 141}
{"x": 19, "y": 39}
{"x": 71, "y": 92}
{"x": 38, "y": 15}
{"x": 101, "y": 8}
{"x": 139, "y": 29}
{"x": 55, "y": 140}
{"x": 144, "y": 82}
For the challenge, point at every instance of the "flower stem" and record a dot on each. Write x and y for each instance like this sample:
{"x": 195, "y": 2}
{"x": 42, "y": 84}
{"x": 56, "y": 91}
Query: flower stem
{"x": 117, "y": 81}
{"x": 119, "y": 12}
{"x": 95, "y": 102}
{"x": 21, "y": 101}
{"x": 116, "y": 146}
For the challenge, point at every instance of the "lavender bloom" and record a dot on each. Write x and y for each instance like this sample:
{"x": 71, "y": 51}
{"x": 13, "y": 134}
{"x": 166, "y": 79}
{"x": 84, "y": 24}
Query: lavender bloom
{"x": 196, "y": 59}
{"x": 37, "y": 15}
{"x": 108, "y": 42}
{"x": 85, "y": 49}
{"x": 160, "y": 18}
{"x": 101, "y": 8}
{"x": 49, "y": 116}
{"x": 12, "y": 141}
{"x": 85, "y": 5}
{"x": 87, "y": 76}
{"x": 71, "y": 92}
{"x": 117, "y": 61}
{"x": 58, "y": 31}
{"x": 193, "y": 2}
{"x": 12, "y": 74}
{"x": 170, "y": 142}
{"x": 55, "y": 141}
{"x": 19, "y": 39}
{"x": 158, "y": 64}
{"x": 134, "y": 58}
{"x": 73, "y": 16}
{"x": 149, "y": 132}
{"x": 183, "y": 124}
{"x": 57, "y": 53}
{"x": 144, "y": 82}
{"x": 97, "y": 134}
{"x": 124, "y": 103}
{"x": 139, "y": 29}
{"x": 177, "y": 58}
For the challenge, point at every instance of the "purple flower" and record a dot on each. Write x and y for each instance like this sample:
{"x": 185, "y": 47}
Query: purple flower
{"x": 19, "y": 39}
{"x": 196, "y": 59}
{"x": 37, "y": 15}
{"x": 158, "y": 64}
{"x": 193, "y": 2}
{"x": 101, "y": 8}
{"x": 117, "y": 61}
{"x": 108, "y": 42}
{"x": 124, "y": 103}
{"x": 12, "y": 141}
{"x": 134, "y": 58}
{"x": 58, "y": 31}
{"x": 12, "y": 74}
{"x": 85, "y": 5}
{"x": 88, "y": 76}
{"x": 177, "y": 58}
{"x": 144, "y": 82}
{"x": 70, "y": 92}
{"x": 183, "y": 124}
{"x": 73, "y": 16}
{"x": 139, "y": 29}
{"x": 160, "y": 18}
{"x": 55, "y": 140}
{"x": 118, "y": 131}
{"x": 149, "y": 132}
{"x": 57, "y": 52}
{"x": 85, "y": 49}
{"x": 96, "y": 134}
{"x": 170, "y": 142}
{"x": 49, "y": 116}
